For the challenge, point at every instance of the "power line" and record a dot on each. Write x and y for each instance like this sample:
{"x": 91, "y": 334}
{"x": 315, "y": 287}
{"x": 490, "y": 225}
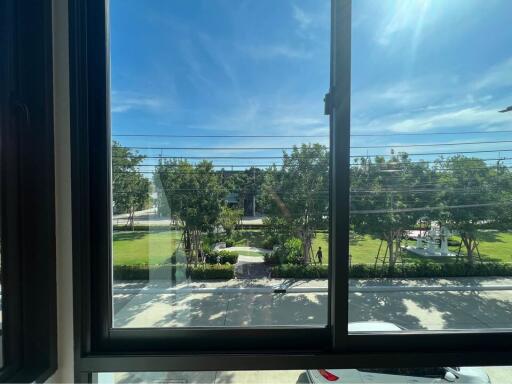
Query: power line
{"x": 368, "y": 155}
{"x": 220, "y": 136}
{"x": 433, "y": 153}
{"x": 354, "y": 165}
{"x": 425, "y": 209}
{"x": 320, "y": 136}
{"x": 437, "y": 161}
{"x": 291, "y": 148}
{"x": 211, "y": 148}
{"x": 428, "y": 133}
{"x": 192, "y": 171}
{"x": 432, "y": 144}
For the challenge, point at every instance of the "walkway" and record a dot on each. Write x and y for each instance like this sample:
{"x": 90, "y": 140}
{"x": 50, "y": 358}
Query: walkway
{"x": 251, "y": 267}
{"x": 414, "y": 304}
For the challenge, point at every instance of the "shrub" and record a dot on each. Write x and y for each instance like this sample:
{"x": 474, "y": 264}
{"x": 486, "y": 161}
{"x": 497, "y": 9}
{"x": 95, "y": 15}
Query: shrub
{"x": 293, "y": 249}
{"x": 141, "y": 227}
{"x": 272, "y": 258}
{"x": 212, "y": 271}
{"x": 143, "y": 271}
{"x": 407, "y": 270}
{"x": 229, "y": 243}
{"x": 168, "y": 272}
{"x": 429, "y": 269}
{"x": 225, "y": 257}
{"x": 300, "y": 271}
{"x": 207, "y": 248}
{"x": 269, "y": 242}
{"x": 276, "y": 230}
{"x": 289, "y": 253}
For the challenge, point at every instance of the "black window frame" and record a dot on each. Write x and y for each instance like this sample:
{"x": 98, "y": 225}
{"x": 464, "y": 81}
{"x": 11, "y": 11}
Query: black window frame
{"x": 27, "y": 192}
{"x": 102, "y": 349}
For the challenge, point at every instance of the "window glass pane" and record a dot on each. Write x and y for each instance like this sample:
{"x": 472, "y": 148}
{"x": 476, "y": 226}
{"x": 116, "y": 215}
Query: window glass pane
{"x": 431, "y": 154}
{"x": 220, "y": 170}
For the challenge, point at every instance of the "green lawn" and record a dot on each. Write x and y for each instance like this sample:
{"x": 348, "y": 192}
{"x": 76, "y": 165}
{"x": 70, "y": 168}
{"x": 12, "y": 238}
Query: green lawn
{"x": 362, "y": 249}
{"x": 251, "y": 253}
{"x": 141, "y": 247}
{"x": 494, "y": 246}
{"x": 248, "y": 238}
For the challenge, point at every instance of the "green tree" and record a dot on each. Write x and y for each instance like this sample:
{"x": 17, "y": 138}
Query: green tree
{"x": 469, "y": 192}
{"x": 229, "y": 218}
{"x": 387, "y": 198}
{"x": 248, "y": 184}
{"x": 299, "y": 192}
{"x": 130, "y": 188}
{"x": 194, "y": 196}
{"x": 503, "y": 181}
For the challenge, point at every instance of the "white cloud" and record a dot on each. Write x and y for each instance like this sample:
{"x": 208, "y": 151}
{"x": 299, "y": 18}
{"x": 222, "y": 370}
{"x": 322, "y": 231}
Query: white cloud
{"x": 467, "y": 117}
{"x": 302, "y": 18}
{"x": 499, "y": 75}
{"x": 436, "y": 92}
{"x": 126, "y": 101}
{"x": 260, "y": 52}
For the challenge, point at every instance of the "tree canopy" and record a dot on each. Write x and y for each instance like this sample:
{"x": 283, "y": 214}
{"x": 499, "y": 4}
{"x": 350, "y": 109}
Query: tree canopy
{"x": 194, "y": 196}
{"x": 131, "y": 190}
{"x": 298, "y": 192}
{"x": 469, "y": 191}
{"x": 384, "y": 196}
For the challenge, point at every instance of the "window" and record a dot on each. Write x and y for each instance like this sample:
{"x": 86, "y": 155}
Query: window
{"x": 220, "y": 163}
{"x": 162, "y": 189}
{"x": 430, "y": 165}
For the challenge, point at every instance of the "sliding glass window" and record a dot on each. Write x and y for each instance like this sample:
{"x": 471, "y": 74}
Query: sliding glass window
{"x": 292, "y": 184}
{"x": 220, "y": 163}
{"x": 431, "y": 180}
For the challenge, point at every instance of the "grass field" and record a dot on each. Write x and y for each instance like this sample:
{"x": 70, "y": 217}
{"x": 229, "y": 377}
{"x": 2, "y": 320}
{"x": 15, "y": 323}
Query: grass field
{"x": 143, "y": 247}
{"x": 140, "y": 247}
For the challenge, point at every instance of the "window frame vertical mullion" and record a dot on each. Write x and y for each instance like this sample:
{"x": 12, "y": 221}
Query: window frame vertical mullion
{"x": 338, "y": 106}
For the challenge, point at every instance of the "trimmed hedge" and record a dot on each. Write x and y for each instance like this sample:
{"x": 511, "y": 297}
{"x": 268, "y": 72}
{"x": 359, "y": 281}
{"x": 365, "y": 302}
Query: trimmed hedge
{"x": 142, "y": 271}
{"x": 225, "y": 257}
{"x": 312, "y": 271}
{"x": 408, "y": 270}
{"x": 141, "y": 227}
{"x": 210, "y": 258}
{"x": 300, "y": 271}
{"x": 168, "y": 271}
{"x": 212, "y": 271}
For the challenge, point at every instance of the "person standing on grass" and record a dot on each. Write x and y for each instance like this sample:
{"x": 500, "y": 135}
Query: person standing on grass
{"x": 319, "y": 255}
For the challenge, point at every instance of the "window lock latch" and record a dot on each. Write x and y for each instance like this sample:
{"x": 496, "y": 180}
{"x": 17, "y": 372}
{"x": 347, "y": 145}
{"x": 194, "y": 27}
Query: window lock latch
{"x": 329, "y": 102}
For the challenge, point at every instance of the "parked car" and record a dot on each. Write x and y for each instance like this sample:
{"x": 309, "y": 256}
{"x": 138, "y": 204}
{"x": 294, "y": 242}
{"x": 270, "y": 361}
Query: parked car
{"x": 458, "y": 375}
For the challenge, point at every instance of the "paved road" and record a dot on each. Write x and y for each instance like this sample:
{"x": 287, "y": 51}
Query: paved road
{"x": 414, "y": 304}
{"x": 150, "y": 217}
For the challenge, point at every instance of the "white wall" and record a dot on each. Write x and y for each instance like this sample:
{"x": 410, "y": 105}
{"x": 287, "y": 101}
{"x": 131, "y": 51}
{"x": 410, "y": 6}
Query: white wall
{"x": 65, "y": 372}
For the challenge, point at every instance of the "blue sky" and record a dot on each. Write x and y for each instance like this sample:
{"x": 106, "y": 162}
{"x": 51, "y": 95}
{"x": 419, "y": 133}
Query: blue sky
{"x": 261, "y": 67}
